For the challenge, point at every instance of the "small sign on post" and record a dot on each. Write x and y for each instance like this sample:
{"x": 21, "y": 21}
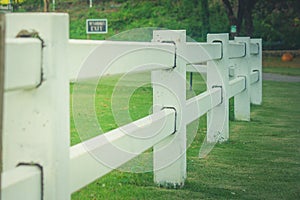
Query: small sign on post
{"x": 96, "y": 26}
{"x": 233, "y": 29}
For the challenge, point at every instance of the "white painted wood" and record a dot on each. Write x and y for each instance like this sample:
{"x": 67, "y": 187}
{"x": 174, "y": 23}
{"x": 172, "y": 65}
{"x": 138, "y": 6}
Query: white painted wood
{"x": 23, "y": 182}
{"x": 231, "y": 71}
{"x": 116, "y": 57}
{"x": 217, "y": 76}
{"x": 254, "y": 47}
{"x": 254, "y": 77}
{"x": 36, "y": 121}
{"x": 23, "y": 67}
{"x": 98, "y": 156}
{"x": 169, "y": 90}
{"x": 196, "y": 68}
{"x": 78, "y": 51}
{"x": 201, "y": 104}
{"x": 236, "y": 50}
{"x": 236, "y": 86}
{"x": 242, "y": 99}
{"x": 256, "y": 65}
{"x": 201, "y": 52}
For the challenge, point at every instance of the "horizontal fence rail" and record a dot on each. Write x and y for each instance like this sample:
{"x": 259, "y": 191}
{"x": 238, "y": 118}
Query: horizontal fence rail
{"x": 100, "y": 155}
{"x": 202, "y": 52}
{"x": 25, "y": 72}
{"x": 132, "y": 56}
{"x": 37, "y": 157}
{"x": 202, "y": 104}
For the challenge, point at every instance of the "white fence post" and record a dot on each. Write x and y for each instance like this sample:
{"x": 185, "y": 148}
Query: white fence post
{"x": 36, "y": 121}
{"x": 169, "y": 92}
{"x": 217, "y": 76}
{"x": 256, "y": 66}
{"x": 243, "y": 70}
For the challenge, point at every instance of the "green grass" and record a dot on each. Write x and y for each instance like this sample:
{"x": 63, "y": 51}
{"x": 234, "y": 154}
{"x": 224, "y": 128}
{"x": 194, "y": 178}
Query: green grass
{"x": 261, "y": 160}
{"x": 275, "y": 65}
{"x": 283, "y": 70}
{"x": 275, "y": 61}
{"x": 127, "y": 15}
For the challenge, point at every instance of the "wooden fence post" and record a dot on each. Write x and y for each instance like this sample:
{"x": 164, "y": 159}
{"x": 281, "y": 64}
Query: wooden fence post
{"x": 169, "y": 92}
{"x": 37, "y": 119}
{"x": 256, "y": 65}
{"x": 242, "y": 100}
{"x": 217, "y": 77}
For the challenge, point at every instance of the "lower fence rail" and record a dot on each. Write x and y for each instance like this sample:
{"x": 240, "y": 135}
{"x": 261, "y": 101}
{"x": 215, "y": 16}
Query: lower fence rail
{"x": 236, "y": 85}
{"x": 201, "y": 104}
{"x": 98, "y": 156}
{"x": 254, "y": 77}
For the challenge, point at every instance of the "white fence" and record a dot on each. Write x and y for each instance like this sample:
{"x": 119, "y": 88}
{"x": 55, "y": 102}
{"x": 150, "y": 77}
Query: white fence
{"x": 38, "y": 162}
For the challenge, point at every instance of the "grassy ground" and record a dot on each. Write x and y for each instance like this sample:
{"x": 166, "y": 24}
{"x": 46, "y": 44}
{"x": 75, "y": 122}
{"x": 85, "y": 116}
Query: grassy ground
{"x": 275, "y": 65}
{"x": 260, "y": 161}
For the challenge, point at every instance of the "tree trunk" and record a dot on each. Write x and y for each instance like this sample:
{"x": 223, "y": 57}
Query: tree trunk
{"x": 240, "y": 15}
{"x": 205, "y": 16}
{"x": 244, "y": 14}
{"x": 46, "y": 5}
{"x": 232, "y": 19}
{"x": 229, "y": 11}
{"x": 248, "y": 17}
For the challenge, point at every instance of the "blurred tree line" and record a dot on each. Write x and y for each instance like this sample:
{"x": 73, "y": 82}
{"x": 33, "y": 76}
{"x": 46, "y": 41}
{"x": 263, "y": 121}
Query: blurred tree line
{"x": 276, "y": 21}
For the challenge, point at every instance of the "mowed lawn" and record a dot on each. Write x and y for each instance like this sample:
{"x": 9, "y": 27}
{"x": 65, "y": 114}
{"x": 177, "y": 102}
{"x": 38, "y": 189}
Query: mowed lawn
{"x": 261, "y": 160}
{"x": 276, "y": 65}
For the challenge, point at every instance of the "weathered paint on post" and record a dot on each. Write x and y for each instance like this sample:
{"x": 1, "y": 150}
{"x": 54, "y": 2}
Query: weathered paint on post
{"x": 217, "y": 77}
{"x": 256, "y": 66}
{"x": 36, "y": 121}
{"x": 28, "y": 75}
{"x": 169, "y": 92}
{"x": 243, "y": 70}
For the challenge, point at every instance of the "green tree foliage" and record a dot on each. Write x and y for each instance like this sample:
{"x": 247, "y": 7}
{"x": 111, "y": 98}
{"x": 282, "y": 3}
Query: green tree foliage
{"x": 29, "y": 6}
{"x": 276, "y": 21}
{"x": 242, "y": 18}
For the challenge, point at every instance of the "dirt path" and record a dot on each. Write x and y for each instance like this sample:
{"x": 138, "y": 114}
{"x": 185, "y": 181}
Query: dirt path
{"x": 280, "y": 78}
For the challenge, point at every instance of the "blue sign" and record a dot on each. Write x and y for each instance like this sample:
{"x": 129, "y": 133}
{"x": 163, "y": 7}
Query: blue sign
{"x": 96, "y": 26}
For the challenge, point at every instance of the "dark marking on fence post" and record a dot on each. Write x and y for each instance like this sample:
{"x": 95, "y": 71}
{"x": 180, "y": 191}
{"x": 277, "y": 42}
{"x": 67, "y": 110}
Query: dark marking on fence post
{"x": 2, "y": 46}
{"x": 191, "y": 81}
